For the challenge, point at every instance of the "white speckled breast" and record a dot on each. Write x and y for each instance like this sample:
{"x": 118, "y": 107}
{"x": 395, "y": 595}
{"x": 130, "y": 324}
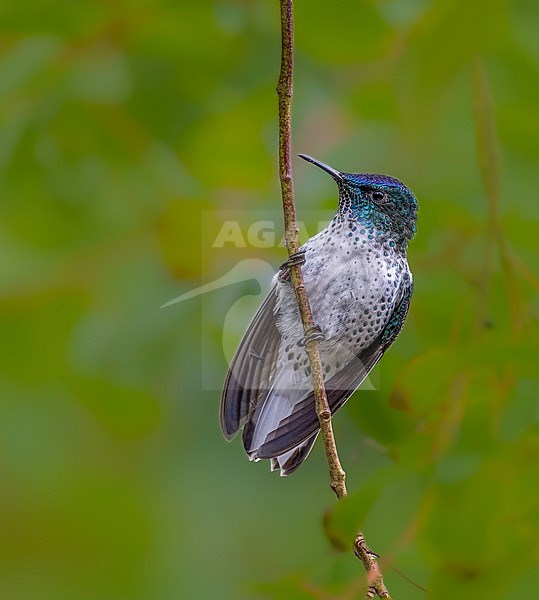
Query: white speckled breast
{"x": 353, "y": 278}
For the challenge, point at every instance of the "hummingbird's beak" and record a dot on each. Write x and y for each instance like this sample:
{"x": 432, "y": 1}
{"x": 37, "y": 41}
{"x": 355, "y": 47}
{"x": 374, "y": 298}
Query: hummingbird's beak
{"x": 333, "y": 172}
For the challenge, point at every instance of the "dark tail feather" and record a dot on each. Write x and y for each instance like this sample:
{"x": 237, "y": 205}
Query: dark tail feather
{"x": 291, "y": 460}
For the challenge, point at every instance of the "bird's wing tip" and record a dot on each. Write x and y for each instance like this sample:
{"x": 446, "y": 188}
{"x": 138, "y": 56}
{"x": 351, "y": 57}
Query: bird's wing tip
{"x": 229, "y": 432}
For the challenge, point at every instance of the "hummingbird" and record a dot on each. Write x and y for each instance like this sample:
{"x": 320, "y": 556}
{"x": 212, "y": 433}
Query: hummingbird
{"x": 359, "y": 284}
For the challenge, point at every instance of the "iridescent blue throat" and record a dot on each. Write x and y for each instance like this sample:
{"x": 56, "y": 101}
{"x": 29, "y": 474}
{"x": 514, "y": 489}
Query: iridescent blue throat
{"x": 395, "y": 218}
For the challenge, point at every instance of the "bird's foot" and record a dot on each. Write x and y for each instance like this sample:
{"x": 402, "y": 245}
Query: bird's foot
{"x": 296, "y": 259}
{"x": 313, "y": 334}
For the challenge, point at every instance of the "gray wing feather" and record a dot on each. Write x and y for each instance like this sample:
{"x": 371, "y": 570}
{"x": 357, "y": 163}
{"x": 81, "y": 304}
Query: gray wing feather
{"x": 251, "y": 368}
{"x": 303, "y": 422}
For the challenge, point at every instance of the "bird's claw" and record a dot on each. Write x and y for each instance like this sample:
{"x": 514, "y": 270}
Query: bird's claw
{"x": 298, "y": 258}
{"x": 313, "y": 334}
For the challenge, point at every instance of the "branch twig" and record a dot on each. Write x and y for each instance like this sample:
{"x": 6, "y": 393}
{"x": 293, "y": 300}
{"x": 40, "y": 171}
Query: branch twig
{"x": 375, "y": 581}
{"x": 284, "y": 91}
{"x": 336, "y": 472}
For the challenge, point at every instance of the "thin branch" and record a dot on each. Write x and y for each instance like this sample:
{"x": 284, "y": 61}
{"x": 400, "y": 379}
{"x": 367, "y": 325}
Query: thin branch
{"x": 336, "y": 472}
{"x": 375, "y": 581}
{"x": 284, "y": 91}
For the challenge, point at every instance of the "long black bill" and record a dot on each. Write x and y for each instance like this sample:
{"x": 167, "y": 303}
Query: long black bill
{"x": 333, "y": 172}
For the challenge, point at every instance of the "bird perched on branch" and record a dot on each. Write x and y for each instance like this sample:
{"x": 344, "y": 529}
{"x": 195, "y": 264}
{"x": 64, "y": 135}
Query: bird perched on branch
{"x": 359, "y": 285}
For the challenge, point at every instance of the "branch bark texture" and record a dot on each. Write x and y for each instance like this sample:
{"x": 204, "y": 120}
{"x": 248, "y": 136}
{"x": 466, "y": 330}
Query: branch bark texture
{"x": 284, "y": 91}
{"x": 337, "y": 475}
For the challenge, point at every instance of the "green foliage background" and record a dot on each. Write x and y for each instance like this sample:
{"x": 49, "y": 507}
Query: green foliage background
{"x": 125, "y": 125}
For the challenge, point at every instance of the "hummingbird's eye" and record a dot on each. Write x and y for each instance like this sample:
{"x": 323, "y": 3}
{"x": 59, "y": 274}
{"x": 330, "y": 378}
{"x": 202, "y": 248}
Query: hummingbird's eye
{"x": 378, "y": 196}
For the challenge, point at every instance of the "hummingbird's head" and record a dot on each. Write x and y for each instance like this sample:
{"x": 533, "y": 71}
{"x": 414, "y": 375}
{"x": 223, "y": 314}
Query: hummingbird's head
{"x": 377, "y": 201}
